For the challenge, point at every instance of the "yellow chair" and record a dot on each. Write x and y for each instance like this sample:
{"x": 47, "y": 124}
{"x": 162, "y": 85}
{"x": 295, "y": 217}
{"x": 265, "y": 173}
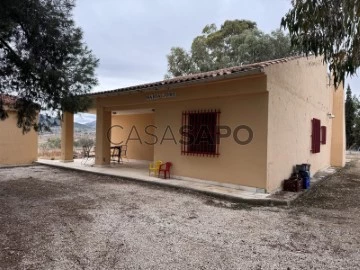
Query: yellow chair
{"x": 154, "y": 167}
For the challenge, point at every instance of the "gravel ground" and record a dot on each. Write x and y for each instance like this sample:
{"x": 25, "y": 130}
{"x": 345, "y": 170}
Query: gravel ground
{"x": 59, "y": 219}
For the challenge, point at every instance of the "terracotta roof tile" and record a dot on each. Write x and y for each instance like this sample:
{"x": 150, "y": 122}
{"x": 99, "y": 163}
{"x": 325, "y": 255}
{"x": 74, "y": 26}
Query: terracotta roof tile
{"x": 7, "y": 99}
{"x": 201, "y": 76}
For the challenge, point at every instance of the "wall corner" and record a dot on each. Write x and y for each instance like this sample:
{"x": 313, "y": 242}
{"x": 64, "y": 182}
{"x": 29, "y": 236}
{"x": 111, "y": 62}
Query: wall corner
{"x": 338, "y": 138}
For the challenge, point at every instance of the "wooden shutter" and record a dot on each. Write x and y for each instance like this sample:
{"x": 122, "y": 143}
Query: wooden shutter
{"x": 315, "y": 137}
{"x": 323, "y": 135}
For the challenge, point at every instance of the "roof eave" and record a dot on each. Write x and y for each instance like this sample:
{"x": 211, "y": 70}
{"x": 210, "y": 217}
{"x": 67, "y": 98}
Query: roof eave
{"x": 173, "y": 85}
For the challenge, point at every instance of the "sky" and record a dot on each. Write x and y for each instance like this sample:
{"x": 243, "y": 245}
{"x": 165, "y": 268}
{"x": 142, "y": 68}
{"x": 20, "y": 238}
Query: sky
{"x": 132, "y": 37}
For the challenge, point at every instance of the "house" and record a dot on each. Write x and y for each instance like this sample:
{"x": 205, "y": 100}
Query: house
{"x": 247, "y": 125}
{"x": 16, "y": 148}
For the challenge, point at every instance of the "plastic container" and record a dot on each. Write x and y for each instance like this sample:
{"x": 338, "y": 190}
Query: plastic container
{"x": 306, "y": 182}
{"x": 303, "y": 167}
{"x": 306, "y": 166}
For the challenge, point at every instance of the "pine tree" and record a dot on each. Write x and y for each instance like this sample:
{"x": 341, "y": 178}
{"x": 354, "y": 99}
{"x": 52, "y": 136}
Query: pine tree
{"x": 356, "y": 128}
{"x": 43, "y": 60}
{"x": 349, "y": 117}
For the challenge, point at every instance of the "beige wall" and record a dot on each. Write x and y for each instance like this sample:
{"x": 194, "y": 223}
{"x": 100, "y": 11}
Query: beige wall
{"x": 15, "y": 147}
{"x": 338, "y": 140}
{"x": 237, "y": 164}
{"x": 298, "y": 91}
{"x": 133, "y": 130}
{"x": 277, "y": 105}
{"x": 241, "y": 101}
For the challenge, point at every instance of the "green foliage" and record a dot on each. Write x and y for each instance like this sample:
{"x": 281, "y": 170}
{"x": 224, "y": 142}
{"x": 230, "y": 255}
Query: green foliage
{"x": 356, "y": 124}
{"x": 43, "y": 59}
{"x": 352, "y": 120}
{"x": 52, "y": 143}
{"x": 235, "y": 43}
{"x": 327, "y": 28}
{"x": 84, "y": 142}
{"x": 350, "y": 109}
{"x": 180, "y": 62}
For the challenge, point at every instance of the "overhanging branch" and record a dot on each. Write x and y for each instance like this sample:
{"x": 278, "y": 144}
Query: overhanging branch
{"x": 19, "y": 60}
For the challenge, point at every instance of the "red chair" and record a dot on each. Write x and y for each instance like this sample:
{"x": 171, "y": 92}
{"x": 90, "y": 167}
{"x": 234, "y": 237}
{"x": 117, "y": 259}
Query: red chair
{"x": 165, "y": 168}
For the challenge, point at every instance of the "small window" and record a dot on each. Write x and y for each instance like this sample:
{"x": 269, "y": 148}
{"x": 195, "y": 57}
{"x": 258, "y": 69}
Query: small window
{"x": 323, "y": 135}
{"x": 200, "y": 134}
{"x": 315, "y": 136}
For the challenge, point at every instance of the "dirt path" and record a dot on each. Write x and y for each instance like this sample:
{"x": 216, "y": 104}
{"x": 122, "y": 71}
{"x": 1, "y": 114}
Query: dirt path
{"x": 58, "y": 219}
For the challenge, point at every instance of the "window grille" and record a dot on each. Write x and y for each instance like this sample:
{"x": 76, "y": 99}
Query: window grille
{"x": 200, "y": 133}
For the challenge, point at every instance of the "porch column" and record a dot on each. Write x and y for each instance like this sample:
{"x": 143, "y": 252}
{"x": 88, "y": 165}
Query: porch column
{"x": 338, "y": 138}
{"x": 67, "y": 137}
{"x": 103, "y": 124}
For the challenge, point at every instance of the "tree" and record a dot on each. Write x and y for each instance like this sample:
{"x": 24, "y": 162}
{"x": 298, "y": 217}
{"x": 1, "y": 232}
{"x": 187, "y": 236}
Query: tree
{"x": 84, "y": 142}
{"x": 237, "y": 42}
{"x": 349, "y": 117}
{"x": 43, "y": 60}
{"x": 356, "y": 126}
{"x": 327, "y": 28}
{"x": 179, "y": 62}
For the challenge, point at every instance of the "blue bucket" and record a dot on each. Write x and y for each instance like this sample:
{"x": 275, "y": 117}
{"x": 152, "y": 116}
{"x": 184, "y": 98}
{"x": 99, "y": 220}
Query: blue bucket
{"x": 306, "y": 182}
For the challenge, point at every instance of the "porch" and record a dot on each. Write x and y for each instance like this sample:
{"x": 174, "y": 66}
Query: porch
{"x": 138, "y": 171}
{"x": 132, "y": 128}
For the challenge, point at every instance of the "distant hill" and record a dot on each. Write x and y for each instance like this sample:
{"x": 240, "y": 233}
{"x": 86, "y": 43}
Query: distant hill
{"x": 91, "y": 124}
{"x": 54, "y": 124}
{"x": 78, "y": 126}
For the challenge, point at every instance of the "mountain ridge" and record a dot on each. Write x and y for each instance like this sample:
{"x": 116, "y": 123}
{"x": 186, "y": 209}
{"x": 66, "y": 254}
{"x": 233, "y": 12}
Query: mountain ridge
{"x": 54, "y": 122}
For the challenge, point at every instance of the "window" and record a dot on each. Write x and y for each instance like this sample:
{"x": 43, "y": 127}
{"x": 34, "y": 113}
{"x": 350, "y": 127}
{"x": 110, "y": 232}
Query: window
{"x": 315, "y": 137}
{"x": 200, "y": 134}
{"x": 323, "y": 135}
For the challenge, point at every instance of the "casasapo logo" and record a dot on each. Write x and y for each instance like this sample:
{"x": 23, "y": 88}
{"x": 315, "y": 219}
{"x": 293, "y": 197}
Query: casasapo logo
{"x": 151, "y": 135}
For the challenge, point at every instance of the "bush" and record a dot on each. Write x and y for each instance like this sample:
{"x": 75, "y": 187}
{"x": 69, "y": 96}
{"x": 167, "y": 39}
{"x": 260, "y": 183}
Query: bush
{"x": 84, "y": 142}
{"x": 53, "y": 143}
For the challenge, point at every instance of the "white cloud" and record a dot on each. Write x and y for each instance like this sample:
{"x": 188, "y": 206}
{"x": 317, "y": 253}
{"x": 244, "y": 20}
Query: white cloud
{"x": 132, "y": 38}
{"x": 84, "y": 118}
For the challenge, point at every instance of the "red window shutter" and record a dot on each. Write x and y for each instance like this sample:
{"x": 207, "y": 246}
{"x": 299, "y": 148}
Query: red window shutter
{"x": 323, "y": 135}
{"x": 315, "y": 137}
